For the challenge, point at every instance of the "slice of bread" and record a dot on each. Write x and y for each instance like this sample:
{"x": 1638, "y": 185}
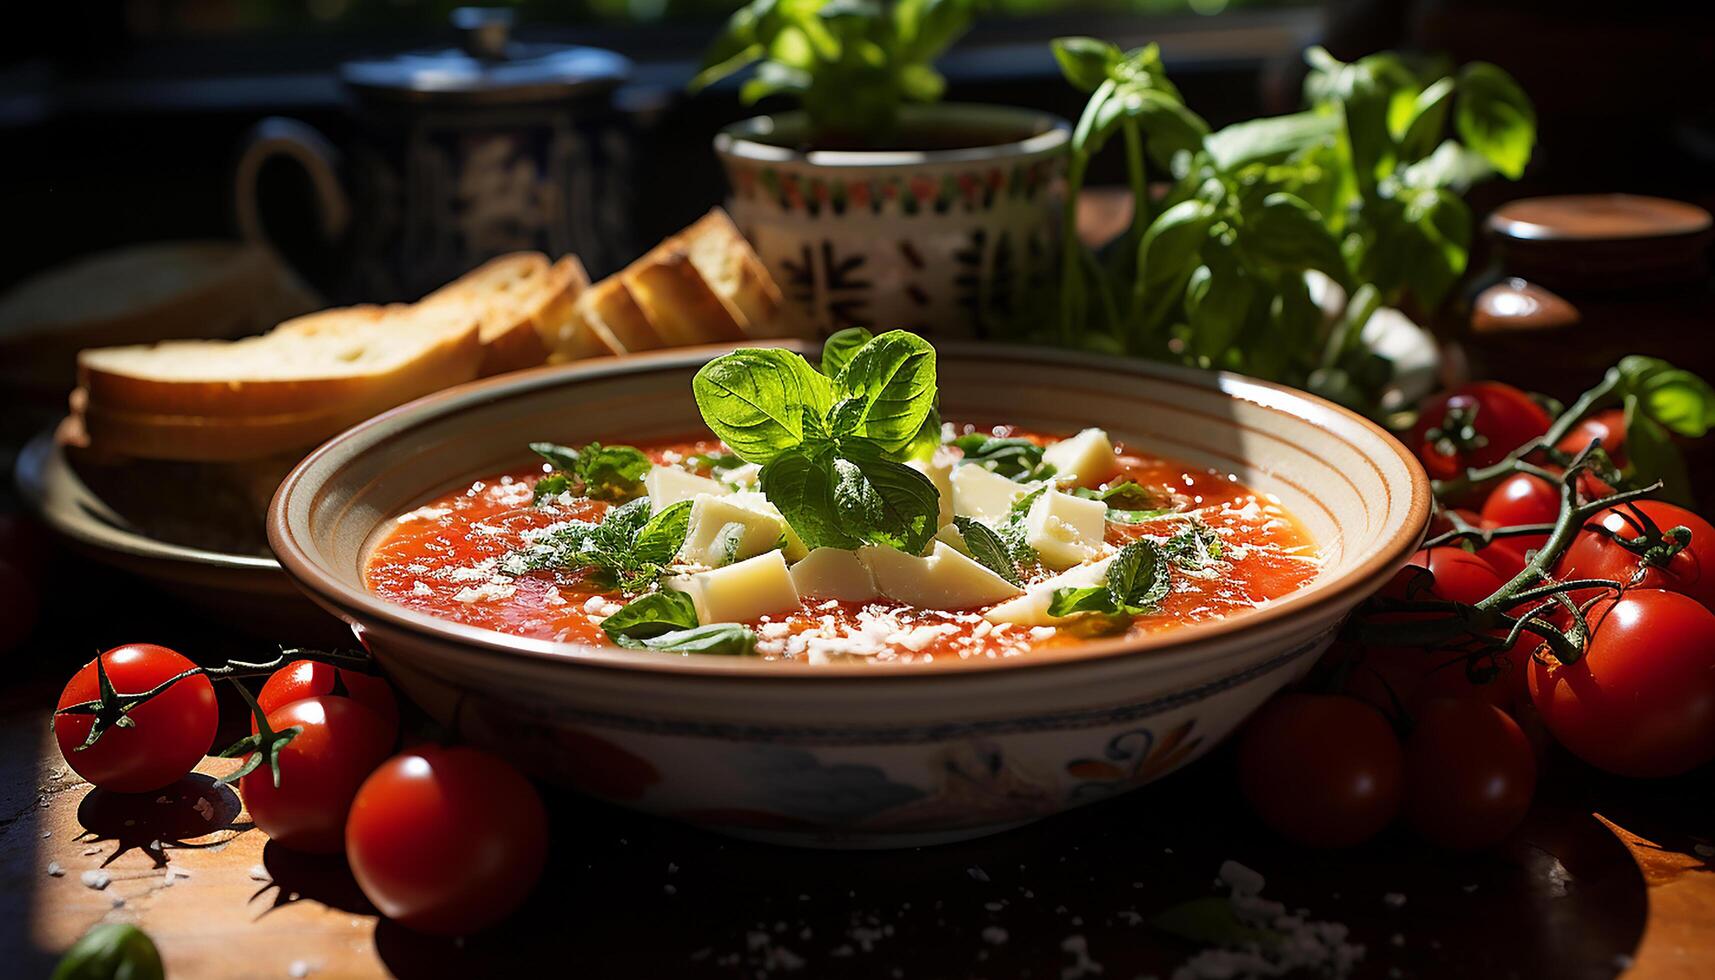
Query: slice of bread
{"x": 679, "y": 303}
{"x": 733, "y": 269}
{"x": 520, "y": 300}
{"x": 612, "y": 307}
{"x": 359, "y": 359}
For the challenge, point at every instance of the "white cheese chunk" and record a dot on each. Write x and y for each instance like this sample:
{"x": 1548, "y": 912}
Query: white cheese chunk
{"x": 939, "y": 470}
{"x": 834, "y": 573}
{"x": 1085, "y": 459}
{"x": 740, "y": 593}
{"x": 1065, "y": 530}
{"x": 1031, "y": 608}
{"x": 944, "y": 580}
{"x": 982, "y": 493}
{"x": 955, "y": 539}
{"x": 668, "y": 485}
{"x": 755, "y": 500}
{"x": 744, "y": 477}
{"x": 730, "y": 528}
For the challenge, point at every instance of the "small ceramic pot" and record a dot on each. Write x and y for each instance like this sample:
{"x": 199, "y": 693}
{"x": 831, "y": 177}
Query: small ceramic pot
{"x": 855, "y": 754}
{"x": 946, "y": 243}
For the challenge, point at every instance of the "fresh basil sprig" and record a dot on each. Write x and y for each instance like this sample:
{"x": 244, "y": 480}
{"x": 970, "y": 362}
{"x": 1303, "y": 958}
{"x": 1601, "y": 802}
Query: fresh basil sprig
{"x": 730, "y": 639}
{"x": 1013, "y": 458}
{"x": 1195, "y": 546}
{"x": 630, "y": 549}
{"x": 832, "y": 449}
{"x": 651, "y": 615}
{"x": 1137, "y": 579}
{"x": 988, "y": 549}
{"x": 597, "y": 471}
{"x": 111, "y": 950}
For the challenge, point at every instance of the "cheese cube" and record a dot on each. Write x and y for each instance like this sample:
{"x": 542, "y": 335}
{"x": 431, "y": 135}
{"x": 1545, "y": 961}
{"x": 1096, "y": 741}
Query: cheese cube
{"x": 939, "y": 470}
{"x": 744, "y": 477}
{"x": 755, "y": 500}
{"x": 944, "y": 580}
{"x": 1065, "y": 530}
{"x": 1086, "y": 459}
{"x": 834, "y": 573}
{"x": 730, "y": 528}
{"x": 1031, "y": 608}
{"x": 668, "y": 485}
{"x": 740, "y": 593}
{"x": 982, "y": 493}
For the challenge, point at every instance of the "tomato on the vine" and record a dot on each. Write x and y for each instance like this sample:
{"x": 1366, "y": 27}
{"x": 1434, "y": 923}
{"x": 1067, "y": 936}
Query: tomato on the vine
{"x": 1447, "y": 572}
{"x": 162, "y": 738}
{"x": 1501, "y": 554}
{"x": 302, "y": 679}
{"x": 1475, "y": 425}
{"x": 1641, "y": 700}
{"x": 1470, "y": 773}
{"x": 1608, "y": 425}
{"x": 1321, "y": 770}
{"x": 1519, "y": 500}
{"x": 339, "y": 744}
{"x": 447, "y": 840}
{"x": 1601, "y": 552}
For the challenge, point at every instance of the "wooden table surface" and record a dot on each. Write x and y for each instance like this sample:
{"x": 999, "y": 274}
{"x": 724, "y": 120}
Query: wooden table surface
{"x": 1606, "y": 877}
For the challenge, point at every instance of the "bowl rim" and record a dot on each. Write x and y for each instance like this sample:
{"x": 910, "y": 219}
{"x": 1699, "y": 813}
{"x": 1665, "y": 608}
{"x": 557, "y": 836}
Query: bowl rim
{"x": 1168, "y": 647}
{"x": 1048, "y": 134}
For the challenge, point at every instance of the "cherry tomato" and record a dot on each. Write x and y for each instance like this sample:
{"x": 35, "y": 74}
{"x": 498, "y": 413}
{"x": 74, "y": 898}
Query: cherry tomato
{"x": 302, "y": 679}
{"x": 447, "y": 840}
{"x": 19, "y": 607}
{"x": 1475, "y": 425}
{"x": 1595, "y": 554}
{"x": 1501, "y": 554}
{"x": 341, "y": 743}
{"x": 1523, "y": 499}
{"x": 168, "y": 734}
{"x": 1608, "y": 425}
{"x": 1470, "y": 773}
{"x": 1321, "y": 770}
{"x": 1641, "y": 701}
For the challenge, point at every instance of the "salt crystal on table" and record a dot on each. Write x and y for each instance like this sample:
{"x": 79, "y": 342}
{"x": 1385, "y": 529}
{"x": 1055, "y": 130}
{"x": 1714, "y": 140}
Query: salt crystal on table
{"x": 259, "y": 873}
{"x": 298, "y": 968}
{"x": 96, "y": 879}
{"x": 91, "y": 851}
{"x": 1394, "y": 900}
{"x": 977, "y": 873}
{"x": 995, "y": 935}
{"x": 55, "y": 871}
{"x": 1242, "y": 880}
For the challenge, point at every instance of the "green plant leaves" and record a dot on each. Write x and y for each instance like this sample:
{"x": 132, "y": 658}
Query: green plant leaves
{"x": 987, "y": 548}
{"x": 1680, "y": 401}
{"x": 1269, "y": 140}
{"x": 1420, "y": 129}
{"x": 838, "y": 349}
{"x": 755, "y": 400}
{"x": 1137, "y": 579}
{"x": 1288, "y": 232}
{"x": 728, "y": 639}
{"x": 1085, "y": 61}
{"x": 1015, "y": 459}
{"x": 893, "y": 379}
{"x": 894, "y": 504}
{"x": 628, "y": 550}
{"x": 651, "y": 615}
{"x": 111, "y": 951}
{"x": 1495, "y": 118}
{"x": 661, "y": 537}
{"x": 801, "y": 485}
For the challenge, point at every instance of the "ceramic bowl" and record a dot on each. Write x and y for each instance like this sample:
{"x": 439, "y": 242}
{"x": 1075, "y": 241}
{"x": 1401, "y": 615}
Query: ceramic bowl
{"x": 856, "y": 755}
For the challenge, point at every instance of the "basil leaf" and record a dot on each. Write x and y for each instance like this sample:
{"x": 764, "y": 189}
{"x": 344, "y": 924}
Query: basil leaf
{"x": 1193, "y": 547}
{"x": 801, "y": 485}
{"x": 846, "y": 417}
{"x": 1171, "y": 128}
{"x": 883, "y": 501}
{"x": 1127, "y": 493}
{"x": 987, "y": 549}
{"x": 1270, "y": 139}
{"x": 927, "y": 440}
{"x": 1494, "y": 117}
{"x": 1439, "y": 233}
{"x": 552, "y": 485}
{"x": 562, "y": 458}
{"x": 1084, "y": 599}
{"x": 1288, "y": 232}
{"x": 756, "y": 400}
{"x": 1450, "y": 166}
{"x": 612, "y": 472}
{"x": 1211, "y": 921}
{"x": 1425, "y": 120}
{"x": 1085, "y": 61}
{"x": 894, "y": 377}
{"x": 652, "y": 615}
{"x": 1678, "y": 400}
{"x": 838, "y": 349}
{"x": 729, "y": 639}
{"x": 1651, "y": 454}
{"x": 1217, "y": 300}
{"x": 111, "y": 950}
{"x": 1138, "y": 577}
{"x": 661, "y": 537}
{"x": 1015, "y": 459}
{"x": 1012, "y": 530}
{"x": 1127, "y": 516}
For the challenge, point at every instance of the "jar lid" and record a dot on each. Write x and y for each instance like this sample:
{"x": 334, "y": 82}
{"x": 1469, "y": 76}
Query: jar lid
{"x": 1602, "y": 240}
{"x": 488, "y": 67}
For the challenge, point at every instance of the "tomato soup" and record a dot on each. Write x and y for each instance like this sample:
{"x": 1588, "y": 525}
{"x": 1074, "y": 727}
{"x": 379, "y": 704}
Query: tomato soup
{"x": 1231, "y": 549}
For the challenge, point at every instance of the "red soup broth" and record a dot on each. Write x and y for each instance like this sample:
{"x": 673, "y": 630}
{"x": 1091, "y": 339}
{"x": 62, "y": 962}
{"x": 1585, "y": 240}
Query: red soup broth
{"x": 443, "y": 558}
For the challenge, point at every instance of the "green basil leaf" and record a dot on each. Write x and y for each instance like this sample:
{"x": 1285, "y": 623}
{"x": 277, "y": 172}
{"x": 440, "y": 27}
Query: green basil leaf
{"x": 612, "y": 472}
{"x": 1118, "y": 515}
{"x": 894, "y": 377}
{"x": 1425, "y": 121}
{"x": 1495, "y": 118}
{"x": 562, "y": 458}
{"x": 1651, "y": 455}
{"x": 111, "y": 951}
{"x": 1171, "y": 128}
{"x": 1450, "y": 166}
{"x": 727, "y": 639}
{"x": 1013, "y": 458}
{"x": 1269, "y": 140}
{"x": 1169, "y": 248}
{"x": 1679, "y": 400}
{"x": 801, "y": 485}
{"x": 927, "y": 440}
{"x": 926, "y": 28}
{"x": 846, "y": 418}
{"x": 1211, "y": 921}
{"x": 1084, "y": 599}
{"x": 1126, "y": 494}
{"x": 838, "y": 349}
{"x": 1138, "y": 578}
{"x": 1288, "y": 232}
{"x": 986, "y": 547}
{"x": 883, "y": 501}
{"x": 1193, "y": 547}
{"x": 736, "y": 47}
{"x": 652, "y": 615}
{"x": 1097, "y": 114}
{"x": 1085, "y": 61}
{"x": 1217, "y": 300}
{"x": 756, "y": 400}
{"x": 552, "y": 485}
{"x": 661, "y": 537}
{"x": 1439, "y": 226}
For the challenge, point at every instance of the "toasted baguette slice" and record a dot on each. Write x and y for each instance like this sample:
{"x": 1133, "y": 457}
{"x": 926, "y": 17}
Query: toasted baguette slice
{"x": 612, "y": 307}
{"x": 570, "y": 338}
{"x": 519, "y": 299}
{"x": 360, "y": 358}
{"x": 679, "y": 303}
{"x": 728, "y": 263}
